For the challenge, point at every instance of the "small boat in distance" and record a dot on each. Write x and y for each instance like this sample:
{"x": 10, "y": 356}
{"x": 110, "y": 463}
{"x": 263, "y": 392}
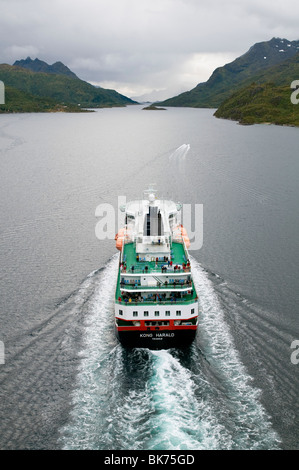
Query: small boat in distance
{"x": 156, "y": 304}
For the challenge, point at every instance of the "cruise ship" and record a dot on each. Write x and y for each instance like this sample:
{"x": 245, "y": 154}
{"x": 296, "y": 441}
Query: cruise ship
{"x": 156, "y": 304}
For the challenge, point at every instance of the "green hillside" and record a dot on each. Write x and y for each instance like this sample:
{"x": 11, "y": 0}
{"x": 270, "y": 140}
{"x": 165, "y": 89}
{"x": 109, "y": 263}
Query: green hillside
{"x": 261, "y": 103}
{"x": 282, "y": 74}
{"x": 227, "y": 79}
{"x": 17, "y": 101}
{"x": 64, "y": 90}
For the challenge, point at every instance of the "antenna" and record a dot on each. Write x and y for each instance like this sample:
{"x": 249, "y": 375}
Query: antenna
{"x": 151, "y": 192}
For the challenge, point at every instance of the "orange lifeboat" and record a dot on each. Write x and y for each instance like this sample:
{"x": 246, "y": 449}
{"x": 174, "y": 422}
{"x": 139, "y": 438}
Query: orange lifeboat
{"x": 119, "y": 238}
{"x": 185, "y": 236}
{"x": 187, "y": 242}
{"x": 119, "y": 243}
{"x": 120, "y": 233}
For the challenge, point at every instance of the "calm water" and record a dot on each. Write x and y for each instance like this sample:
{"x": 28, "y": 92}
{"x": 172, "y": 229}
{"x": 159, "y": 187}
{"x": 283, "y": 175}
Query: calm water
{"x": 66, "y": 382}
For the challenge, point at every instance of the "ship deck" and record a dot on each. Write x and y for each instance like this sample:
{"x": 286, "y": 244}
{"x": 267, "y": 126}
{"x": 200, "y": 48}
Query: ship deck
{"x": 178, "y": 258}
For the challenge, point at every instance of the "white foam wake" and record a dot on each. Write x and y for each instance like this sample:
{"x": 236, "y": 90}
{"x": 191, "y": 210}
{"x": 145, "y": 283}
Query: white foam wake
{"x": 180, "y": 153}
{"x": 181, "y": 419}
{"x": 90, "y": 398}
{"x": 250, "y": 425}
{"x": 153, "y": 399}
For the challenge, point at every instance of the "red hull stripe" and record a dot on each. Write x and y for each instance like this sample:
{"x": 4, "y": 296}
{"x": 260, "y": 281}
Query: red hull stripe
{"x": 145, "y": 326}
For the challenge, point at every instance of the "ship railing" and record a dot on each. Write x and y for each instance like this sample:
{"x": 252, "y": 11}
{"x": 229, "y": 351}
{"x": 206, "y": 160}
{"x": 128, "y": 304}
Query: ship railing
{"x": 181, "y": 287}
{"x": 158, "y": 302}
{"x": 155, "y": 269}
{"x": 177, "y": 238}
{"x": 153, "y": 239}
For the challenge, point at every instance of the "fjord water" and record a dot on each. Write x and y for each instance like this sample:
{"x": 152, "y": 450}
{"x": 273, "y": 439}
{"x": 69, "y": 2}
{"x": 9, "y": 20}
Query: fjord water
{"x": 66, "y": 382}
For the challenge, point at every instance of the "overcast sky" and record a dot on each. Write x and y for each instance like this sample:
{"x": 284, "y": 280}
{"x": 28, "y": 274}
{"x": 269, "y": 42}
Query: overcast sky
{"x": 138, "y": 46}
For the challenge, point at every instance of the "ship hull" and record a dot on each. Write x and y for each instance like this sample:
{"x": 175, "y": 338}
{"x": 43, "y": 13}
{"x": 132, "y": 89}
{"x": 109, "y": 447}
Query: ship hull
{"x": 164, "y": 339}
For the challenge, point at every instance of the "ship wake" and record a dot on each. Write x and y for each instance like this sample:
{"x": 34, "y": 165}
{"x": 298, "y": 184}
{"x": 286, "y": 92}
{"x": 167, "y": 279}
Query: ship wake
{"x": 198, "y": 398}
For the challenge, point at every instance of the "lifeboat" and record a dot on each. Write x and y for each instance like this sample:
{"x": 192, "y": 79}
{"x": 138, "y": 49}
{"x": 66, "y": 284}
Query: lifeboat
{"x": 187, "y": 242}
{"x": 119, "y": 243}
{"x": 185, "y": 236}
{"x": 119, "y": 238}
{"x": 120, "y": 233}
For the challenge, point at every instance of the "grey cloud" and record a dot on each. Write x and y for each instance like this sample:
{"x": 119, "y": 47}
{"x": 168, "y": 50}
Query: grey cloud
{"x": 139, "y": 42}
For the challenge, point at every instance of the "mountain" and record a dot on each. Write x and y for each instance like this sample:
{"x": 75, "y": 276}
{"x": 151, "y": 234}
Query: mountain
{"x": 267, "y": 99}
{"x": 60, "y": 87}
{"x": 227, "y": 79}
{"x": 17, "y": 101}
{"x": 281, "y": 74}
{"x": 260, "y": 103}
{"x": 37, "y": 65}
